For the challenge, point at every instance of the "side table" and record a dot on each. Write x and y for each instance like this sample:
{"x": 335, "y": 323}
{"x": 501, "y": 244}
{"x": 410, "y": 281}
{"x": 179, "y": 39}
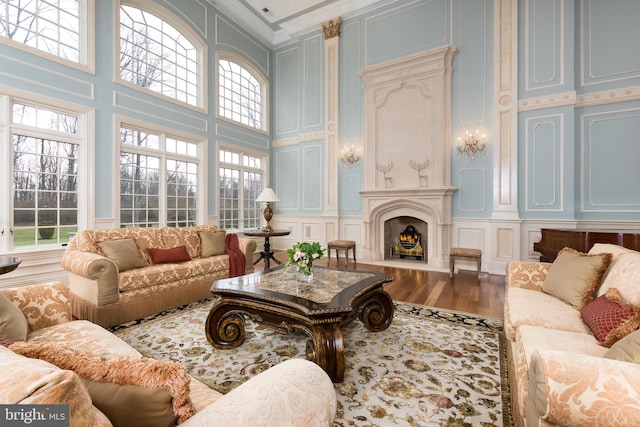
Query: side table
{"x": 267, "y": 253}
{"x": 8, "y": 264}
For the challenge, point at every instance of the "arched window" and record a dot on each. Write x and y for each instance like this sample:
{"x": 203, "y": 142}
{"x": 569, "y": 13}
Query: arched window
{"x": 53, "y": 27}
{"x": 242, "y": 93}
{"x": 163, "y": 57}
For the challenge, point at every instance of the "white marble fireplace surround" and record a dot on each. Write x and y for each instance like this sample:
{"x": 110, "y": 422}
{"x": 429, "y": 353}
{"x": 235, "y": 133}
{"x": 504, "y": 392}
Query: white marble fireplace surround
{"x": 408, "y": 117}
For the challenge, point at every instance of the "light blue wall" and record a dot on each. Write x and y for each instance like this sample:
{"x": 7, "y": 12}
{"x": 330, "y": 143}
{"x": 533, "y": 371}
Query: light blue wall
{"x": 577, "y": 155}
{"x": 382, "y": 35}
{"x": 579, "y": 161}
{"x": 40, "y": 76}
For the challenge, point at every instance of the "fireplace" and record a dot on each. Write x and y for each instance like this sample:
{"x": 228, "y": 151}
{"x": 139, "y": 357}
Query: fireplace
{"x": 403, "y": 237}
{"x": 428, "y": 206}
{"x": 407, "y": 103}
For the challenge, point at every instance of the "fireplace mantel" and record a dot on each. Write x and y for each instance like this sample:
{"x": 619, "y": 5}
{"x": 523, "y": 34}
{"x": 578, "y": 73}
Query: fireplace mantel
{"x": 408, "y": 192}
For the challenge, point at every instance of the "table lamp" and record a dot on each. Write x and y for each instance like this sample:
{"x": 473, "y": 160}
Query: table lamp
{"x": 268, "y": 196}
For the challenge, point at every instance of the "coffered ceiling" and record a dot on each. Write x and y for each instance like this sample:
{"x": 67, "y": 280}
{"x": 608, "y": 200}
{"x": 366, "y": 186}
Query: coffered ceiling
{"x": 278, "y": 21}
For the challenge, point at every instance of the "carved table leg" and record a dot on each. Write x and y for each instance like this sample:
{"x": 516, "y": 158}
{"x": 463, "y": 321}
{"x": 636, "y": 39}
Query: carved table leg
{"x": 326, "y": 349}
{"x": 377, "y": 312}
{"x": 224, "y": 327}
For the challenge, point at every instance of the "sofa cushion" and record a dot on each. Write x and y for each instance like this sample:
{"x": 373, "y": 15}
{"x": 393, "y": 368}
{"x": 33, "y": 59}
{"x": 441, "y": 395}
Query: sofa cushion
{"x": 163, "y": 256}
{"x": 624, "y": 275}
{"x": 42, "y": 305}
{"x": 574, "y": 276}
{"x": 13, "y": 324}
{"x": 85, "y": 336}
{"x": 160, "y": 274}
{"x": 88, "y": 240}
{"x": 31, "y": 381}
{"x": 130, "y": 391}
{"x": 529, "y": 307}
{"x": 212, "y": 243}
{"x": 615, "y": 250}
{"x": 533, "y": 338}
{"x": 610, "y": 318}
{"x": 124, "y": 253}
{"x": 627, "y": 349}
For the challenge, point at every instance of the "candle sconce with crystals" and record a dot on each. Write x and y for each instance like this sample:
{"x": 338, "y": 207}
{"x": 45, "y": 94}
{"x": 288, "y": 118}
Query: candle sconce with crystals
{"x": 349, "y": 156}
{"x": 472, "y": 144}
{"x": 388, "y": 182}
{"x": 422, "y": 178}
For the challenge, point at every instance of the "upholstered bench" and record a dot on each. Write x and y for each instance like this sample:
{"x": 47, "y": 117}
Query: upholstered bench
{"x": 464, "y": 253}
{"x": 342, "y": 245}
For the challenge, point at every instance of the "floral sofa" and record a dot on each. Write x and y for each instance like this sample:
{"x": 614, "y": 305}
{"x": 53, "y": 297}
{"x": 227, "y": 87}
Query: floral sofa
{"x": 48, "y": 358}
{"x": 116, "y": 276}
{"x": 573, "y": 339}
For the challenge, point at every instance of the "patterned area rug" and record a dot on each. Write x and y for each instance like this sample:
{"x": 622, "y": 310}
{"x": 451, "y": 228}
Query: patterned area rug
{"x": 431, "y": 367}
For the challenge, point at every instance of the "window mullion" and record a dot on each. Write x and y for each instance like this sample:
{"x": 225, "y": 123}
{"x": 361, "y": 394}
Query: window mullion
{"x": 162, "y": 202}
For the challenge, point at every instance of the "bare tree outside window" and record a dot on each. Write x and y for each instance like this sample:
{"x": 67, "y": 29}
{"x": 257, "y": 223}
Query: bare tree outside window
{"x": 156, "y": 56}
{"x": 239, "y": 94}
{"x": 45, "y": 178}
{"x": 51, "y": 26}
{"x": 150, "y": 168}
{"x": 241, "y": 181}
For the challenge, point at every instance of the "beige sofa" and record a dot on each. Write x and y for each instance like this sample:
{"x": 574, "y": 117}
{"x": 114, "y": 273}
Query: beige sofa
{"x": 114, "y": 278}
{"x": 570, "y": 364}
{"x": 294, "y": 393}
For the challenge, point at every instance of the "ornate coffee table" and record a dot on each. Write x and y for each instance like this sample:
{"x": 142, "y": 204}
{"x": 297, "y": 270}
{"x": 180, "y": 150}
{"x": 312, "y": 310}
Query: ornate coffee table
{"x": 319, "y": 308}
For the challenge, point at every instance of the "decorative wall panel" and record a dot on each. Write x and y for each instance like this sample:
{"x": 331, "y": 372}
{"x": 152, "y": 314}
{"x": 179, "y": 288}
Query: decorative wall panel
{"x": 610, "y": 161}
{"x": 286, "y": 88}
{"x": 544, "y": 169}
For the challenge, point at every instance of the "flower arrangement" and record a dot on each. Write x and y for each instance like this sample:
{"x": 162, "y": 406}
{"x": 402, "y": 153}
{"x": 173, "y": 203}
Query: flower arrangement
{"x": 303, "y": 255}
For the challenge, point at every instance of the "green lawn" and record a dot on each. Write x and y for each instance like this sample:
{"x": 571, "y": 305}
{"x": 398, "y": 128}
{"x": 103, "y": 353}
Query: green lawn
{"x": 27, "y": 236}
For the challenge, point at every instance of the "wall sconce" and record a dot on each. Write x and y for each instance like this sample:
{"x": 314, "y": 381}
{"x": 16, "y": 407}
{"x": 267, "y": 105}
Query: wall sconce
{"x": 349, "y": 156}
{"x": 473, "y": 144}
{"x": 268, "y": 196}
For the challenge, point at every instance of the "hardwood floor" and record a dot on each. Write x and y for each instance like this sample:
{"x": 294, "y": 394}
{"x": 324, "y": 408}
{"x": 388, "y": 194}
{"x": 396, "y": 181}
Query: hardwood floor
{"x": 435, "y": 289}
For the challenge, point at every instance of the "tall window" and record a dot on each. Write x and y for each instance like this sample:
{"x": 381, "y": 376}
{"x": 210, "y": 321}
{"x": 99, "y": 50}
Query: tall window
{"x": 47, "y": 168}
{"x": 241, "y": 179}
{"x": 55, "y": 27}
{"x": 159, "y": 179}
{"x": 241, "y": 94}
{"x": 157, "y": 56}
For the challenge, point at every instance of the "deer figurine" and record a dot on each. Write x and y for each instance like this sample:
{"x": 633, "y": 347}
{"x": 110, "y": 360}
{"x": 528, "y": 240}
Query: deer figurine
{"x": 388, "y": 182}
{"x": 422, "y": 178}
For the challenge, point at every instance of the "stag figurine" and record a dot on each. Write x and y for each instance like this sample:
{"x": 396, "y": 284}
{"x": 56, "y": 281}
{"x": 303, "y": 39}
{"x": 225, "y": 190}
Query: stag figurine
{"x": 422, "y": 178}
{"x": 388, "y": 182}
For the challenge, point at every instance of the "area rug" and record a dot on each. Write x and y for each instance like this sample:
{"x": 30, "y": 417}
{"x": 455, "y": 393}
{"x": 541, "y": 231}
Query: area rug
{"x": 431, "y": 367}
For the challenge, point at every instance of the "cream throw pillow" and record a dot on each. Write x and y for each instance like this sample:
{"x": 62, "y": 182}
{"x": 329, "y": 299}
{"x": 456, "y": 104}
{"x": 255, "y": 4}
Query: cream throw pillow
{"x": 574, "y": 276}
{"x": 627, "y": 349}
{"x": 624, "y": 275}
{"x": 13, "y": 324}
{"x": 213, "y": 243}
{"x": 124, "y": 252}
{"x": 30, "y": 381}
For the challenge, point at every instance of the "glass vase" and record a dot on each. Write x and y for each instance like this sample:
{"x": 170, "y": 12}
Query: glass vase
{"x": 302, "y": 277}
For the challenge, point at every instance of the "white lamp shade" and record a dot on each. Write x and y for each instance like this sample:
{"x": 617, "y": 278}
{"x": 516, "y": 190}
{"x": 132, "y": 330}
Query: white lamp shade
{"x": 267, "y": 195}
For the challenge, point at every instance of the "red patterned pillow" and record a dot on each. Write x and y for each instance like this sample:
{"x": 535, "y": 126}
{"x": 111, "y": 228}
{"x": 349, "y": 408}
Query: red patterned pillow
{"x": 610, "y": 318}
{"x": 6, "y": 341}
{"x": 178, "y": 254}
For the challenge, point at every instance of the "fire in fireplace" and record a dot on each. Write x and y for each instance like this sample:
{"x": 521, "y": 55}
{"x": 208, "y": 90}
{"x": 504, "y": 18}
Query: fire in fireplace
{"x": 409, "y": 244}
